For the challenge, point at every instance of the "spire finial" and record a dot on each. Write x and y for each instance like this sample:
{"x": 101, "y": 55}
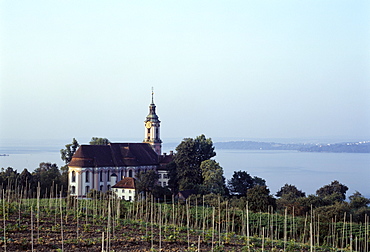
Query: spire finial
{"x": 152, "y": 95}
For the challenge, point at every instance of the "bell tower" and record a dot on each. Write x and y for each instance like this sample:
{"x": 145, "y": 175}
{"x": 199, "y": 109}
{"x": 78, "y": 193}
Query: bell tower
{"x": 152, "y": 128}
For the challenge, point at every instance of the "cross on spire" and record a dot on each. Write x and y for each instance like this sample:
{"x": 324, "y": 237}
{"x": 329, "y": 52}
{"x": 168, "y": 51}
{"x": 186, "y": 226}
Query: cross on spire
{"x": 152, "y": 95}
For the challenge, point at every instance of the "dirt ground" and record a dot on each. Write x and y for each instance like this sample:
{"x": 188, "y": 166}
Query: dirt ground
{"x": 127, "y": 237}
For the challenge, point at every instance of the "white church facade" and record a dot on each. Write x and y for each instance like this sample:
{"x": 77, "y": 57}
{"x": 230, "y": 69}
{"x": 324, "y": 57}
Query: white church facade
{"x": 101, "y": 167}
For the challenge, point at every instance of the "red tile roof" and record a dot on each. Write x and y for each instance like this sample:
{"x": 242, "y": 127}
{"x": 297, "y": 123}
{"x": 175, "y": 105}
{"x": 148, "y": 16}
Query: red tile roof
{"x": 114, "y": 155}
{"x": 126, "y": 183}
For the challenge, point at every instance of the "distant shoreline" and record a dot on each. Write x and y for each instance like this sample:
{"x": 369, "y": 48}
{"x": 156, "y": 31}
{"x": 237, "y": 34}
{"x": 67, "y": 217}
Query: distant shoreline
{"x": 350, "y": 147}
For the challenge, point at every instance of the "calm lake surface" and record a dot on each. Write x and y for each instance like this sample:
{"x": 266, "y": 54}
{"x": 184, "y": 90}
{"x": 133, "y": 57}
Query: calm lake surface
{"x": 307, "y": 170}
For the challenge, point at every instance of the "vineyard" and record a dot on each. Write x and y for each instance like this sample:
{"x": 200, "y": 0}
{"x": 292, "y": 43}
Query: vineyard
{"x": 110, "y": 224}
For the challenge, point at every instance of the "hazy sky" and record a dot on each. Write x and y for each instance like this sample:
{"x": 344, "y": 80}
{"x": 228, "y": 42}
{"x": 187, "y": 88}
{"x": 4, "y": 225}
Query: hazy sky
{"x": 238, "y": 69}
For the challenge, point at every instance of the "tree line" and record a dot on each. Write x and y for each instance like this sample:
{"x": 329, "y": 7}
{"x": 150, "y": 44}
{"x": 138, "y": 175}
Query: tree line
{"x": 194, "y": 170}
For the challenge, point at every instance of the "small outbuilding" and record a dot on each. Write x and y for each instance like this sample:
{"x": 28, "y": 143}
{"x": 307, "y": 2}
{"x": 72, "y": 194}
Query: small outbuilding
{"x": 125, "y": 189}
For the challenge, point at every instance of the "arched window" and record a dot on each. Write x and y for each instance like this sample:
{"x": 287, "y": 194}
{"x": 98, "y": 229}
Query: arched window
{"x": 101, "y": 176}
{"x": 108, "y": 175}
{"x": 87, "y": 173}
{"x": 87, "y": 189}
{"x": 101, "y": 188}
{"x": 130, "y": 173}
{"x": 73, "y": 176}
{"x": 73, "y": 190}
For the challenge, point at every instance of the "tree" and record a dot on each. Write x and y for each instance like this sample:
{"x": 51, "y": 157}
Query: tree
{"x": 357, "y": 200}
{"x": 336, "y": 210}
{"x": 66, "y": 156}
{"x": 190, "y": 153}
{"x": 241, "y": 181}
{"x": 290, "y": 192}
{"x": 26, "y": 181}
{"x": 289, "y": 196}
{"x": 161, "y": 193}
{"x": 8, "y": 177}
{"x": 213, "y": 177}
{"x": 172, "y": 175}
{"x": 48, "y": 175}
{"x": 67, "y": 153}
{"x": 145, "y": 181}
{"x": 335, "y": 191}
{"x": 259, "y": 199}
{"x": 99, "y": 141}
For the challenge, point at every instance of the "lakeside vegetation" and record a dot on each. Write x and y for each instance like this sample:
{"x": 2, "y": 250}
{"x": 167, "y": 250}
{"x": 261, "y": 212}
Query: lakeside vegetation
{"x": 200, "y": 223}
{"x": 238, "y": 214}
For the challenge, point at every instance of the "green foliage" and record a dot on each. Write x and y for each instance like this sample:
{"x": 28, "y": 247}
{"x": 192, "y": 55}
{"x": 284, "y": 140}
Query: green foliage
{"x": 241, "y": 181}
{"x": 289, "y": 198}
{"x": 213, "y": 177}
{"x": 95, "y": 194}
{"x": 290, "y": 192}
{"x": 173, "y": 179}
{"x": 8, "y": 176}
{"x": 161, "y": 193}
{"x": 259, "y": 198}
{"x": 99, "y": 141}
{"x": 358, "y": 201}
{"x": 67, "y": 153}
{"x": 335, "y": 191}
{"x": 328, "y": 213}
{"x": 146, "y": 181}
{"x": 48, "y": 175}
{"x": 190, "y": 153}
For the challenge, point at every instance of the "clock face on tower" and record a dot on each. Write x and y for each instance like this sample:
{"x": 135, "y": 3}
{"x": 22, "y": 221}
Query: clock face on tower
{"x": 148, "y": 125}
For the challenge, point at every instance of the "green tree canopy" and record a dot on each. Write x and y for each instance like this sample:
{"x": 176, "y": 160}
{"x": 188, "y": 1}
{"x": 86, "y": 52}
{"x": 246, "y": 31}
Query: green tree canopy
{"x": 190, "y": 153}
{"x": 67, "y": 153}
{"x": 48, "y": 175}
{"x": 26, "y": 181}
{"x": 290, "y": 192}
{"x": 146, "y": 181}
{"x": 213, "y": 177}
{"x": 99, "y": 141}
{"x": 259, "y": 199}
{"x": 8, "y": 176}
{"x": 335, "y": 191}
{"x": 172, "y": 175}
{"x": 241, "y": 182}
{"x": 358, "y": 201}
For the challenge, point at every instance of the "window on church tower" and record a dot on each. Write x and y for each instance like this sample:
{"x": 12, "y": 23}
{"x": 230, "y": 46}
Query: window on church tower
{"x": 87, "y": 176}
{"x": 108, "y": 175}
{"x": 130, "y": 173}
{"x": 101, "y": 176}
{"x": 73, "y": 176}
{"x": 73, "y": 190}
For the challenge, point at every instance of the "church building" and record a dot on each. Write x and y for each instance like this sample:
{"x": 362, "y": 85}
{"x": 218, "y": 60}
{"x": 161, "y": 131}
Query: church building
{"x": 101, "y": 167}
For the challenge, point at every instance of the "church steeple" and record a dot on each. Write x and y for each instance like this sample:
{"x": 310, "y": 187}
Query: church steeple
{"x": 152, "y": 128}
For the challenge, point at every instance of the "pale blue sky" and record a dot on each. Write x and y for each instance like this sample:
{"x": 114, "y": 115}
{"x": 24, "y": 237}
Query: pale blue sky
{"x": 235, "y": 69}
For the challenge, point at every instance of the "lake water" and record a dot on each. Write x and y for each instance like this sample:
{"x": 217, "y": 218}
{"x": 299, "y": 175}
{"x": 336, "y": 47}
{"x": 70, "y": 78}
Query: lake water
{"x": 307, "y": 170}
